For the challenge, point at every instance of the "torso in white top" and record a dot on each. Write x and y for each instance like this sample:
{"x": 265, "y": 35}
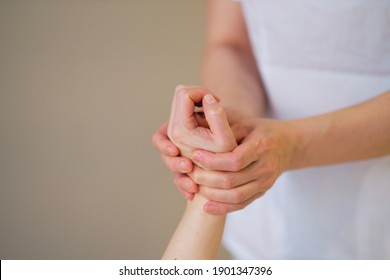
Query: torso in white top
{"x": 316, "y": 57}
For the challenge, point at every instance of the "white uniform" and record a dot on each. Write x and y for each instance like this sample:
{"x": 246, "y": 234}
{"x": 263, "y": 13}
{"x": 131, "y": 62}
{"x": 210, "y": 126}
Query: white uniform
{"x": 316, "y": 57}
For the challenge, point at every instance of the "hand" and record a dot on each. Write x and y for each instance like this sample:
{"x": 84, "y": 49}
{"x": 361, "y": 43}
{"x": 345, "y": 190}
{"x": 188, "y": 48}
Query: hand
{"x": 189, "y": 130}
{"x": 233, "y": 180}
{"x": 170, "y": 155}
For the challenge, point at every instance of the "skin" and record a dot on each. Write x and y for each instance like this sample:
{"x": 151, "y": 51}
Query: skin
{"x": 198, "y": 234}
{"x": 266, "y": 148}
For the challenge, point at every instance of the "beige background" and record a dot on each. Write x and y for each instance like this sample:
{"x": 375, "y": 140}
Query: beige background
{"x": 83, "y": 85}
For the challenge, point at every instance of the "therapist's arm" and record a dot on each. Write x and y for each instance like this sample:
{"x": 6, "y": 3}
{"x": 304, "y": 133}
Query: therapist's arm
{"x": 270, "y": 147}
{"x": 229, "y": 66}
{"x": 354, "y": 133}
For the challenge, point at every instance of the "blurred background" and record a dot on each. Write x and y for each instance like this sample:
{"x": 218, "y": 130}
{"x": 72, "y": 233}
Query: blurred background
{"x": 83, "y": 86}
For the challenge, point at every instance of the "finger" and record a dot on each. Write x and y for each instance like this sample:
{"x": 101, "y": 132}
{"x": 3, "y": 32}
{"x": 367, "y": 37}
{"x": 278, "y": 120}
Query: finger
{"x": 223, "y": 179}
{"x": 201, "y": 120}
{"x": 233, "y": 196}
{"x": 218, "y": 123}
{"x": 213, "y": 132}
{"x": 187, "y": 195}
{"x": 210, "y": 178}
{"x": 177, "y": 164}
{"x": 238, "y": 159}
{"x": 184, "y": 100}
{"x": 219, "y": 208}
{"x": 161, "y": 141}
{"x": 184, "y": 183}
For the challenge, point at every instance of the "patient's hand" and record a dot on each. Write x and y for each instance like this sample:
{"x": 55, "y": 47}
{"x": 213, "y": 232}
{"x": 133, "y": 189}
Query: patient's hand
{"x": 189, "y": 130}
{"x": 198, "y": 234}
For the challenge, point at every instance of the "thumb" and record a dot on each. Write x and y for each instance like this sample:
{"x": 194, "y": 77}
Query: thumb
{"x": 218, "y": 123}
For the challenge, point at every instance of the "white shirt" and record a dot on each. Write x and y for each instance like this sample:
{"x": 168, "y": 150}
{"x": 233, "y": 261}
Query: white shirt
{"x": 316, "y": 57}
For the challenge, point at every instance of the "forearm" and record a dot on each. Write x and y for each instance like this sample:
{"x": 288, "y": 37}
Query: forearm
{"x": 198, "y": 235}
{"x": 231, "y": 73}
{"x": 354, "y": 133}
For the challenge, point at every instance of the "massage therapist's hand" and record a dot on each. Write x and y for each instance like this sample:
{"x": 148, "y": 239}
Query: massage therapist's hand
{"x": 188, "y": 130}
{"x": 233, "y": 180}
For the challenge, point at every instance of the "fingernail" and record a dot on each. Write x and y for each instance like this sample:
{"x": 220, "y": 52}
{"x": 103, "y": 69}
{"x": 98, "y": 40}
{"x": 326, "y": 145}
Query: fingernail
{"x": 192, "y": 187}
{"x": 210, "y": 99}
{"x": 187, "y": 186}
{"x": 171, "y": 151}
{"x": 197, "y": 157}
{"x": 183, "y": 167}
{"x": 209, "y": 207}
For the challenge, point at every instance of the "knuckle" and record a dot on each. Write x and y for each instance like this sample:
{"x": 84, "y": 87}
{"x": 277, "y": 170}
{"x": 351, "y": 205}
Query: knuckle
{"x": 270, "y": 167}
{"x": 207, "y": 162}
{"x": 216, "y": 111}
{"x": 266, "y": 141}
{"x": 175, "y": 135}
{"x": 204, "y": 191}
{"x": 196, "y": 176}
{"x": 237, "y": 196}
{"x": 180, "y": 90}
{"x": 265, "y": 144}
{"x": 226, "y": 144}
{"x": 227, "y": 181}
{"x": 236, "y": 164}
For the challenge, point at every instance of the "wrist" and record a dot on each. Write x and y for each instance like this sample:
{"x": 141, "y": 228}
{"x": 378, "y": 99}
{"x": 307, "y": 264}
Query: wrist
{"x": 298, "y": 140}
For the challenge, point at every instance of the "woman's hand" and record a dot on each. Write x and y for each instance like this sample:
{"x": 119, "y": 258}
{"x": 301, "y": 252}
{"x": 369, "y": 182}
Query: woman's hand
{"x": 190, "y": 128}
{"x": 233, "y": 180}
{"x": 198, "y": 121}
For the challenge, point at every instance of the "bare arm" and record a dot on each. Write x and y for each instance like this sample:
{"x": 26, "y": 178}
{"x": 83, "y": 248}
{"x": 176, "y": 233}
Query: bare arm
{"x": 229, "y": 67}
{"x": 198, "y": 235}
{"x": 354, "y": 133}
